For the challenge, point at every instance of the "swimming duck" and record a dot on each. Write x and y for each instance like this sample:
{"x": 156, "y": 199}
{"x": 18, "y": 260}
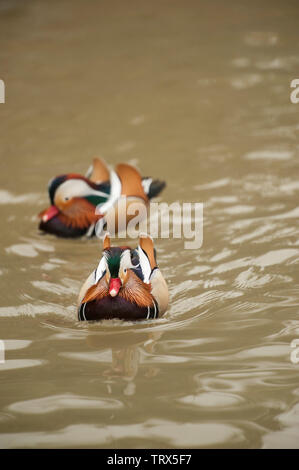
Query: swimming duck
{"x": 127, "y": 284}
{"x": 79, "y": 202}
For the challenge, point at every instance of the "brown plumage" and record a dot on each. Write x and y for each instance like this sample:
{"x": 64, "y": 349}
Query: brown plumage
{"x": 79, "y": 214}
{"x": 136, "y": 291}
{"x": 97, "y": 291}
{"x": 133, "y": 290}
{"x": 131, "y": 181}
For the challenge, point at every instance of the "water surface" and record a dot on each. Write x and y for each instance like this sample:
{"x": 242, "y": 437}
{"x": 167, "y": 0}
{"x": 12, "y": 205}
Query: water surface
{"x": 196, "y": 93}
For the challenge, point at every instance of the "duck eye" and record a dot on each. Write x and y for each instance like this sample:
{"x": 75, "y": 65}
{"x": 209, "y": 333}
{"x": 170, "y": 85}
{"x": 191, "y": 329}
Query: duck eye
{"x": 66, "y": 198}
{"x": 125, "y": 270}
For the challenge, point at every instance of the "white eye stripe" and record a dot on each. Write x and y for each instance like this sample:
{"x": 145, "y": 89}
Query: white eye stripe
{"x": 99, "y": 272}
{"x": 76, "y": 188}
{"x": 125, "y": 264}
{"x": 145, "y": 265}
{"x": 125, "y": 261}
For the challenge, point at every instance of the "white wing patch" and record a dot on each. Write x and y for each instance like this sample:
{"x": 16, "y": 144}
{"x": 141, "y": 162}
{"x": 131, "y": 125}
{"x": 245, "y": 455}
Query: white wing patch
{"x": 146, "y": 183}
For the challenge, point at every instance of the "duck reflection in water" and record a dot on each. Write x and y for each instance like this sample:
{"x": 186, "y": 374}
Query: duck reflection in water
{"x": 127, "y": 358}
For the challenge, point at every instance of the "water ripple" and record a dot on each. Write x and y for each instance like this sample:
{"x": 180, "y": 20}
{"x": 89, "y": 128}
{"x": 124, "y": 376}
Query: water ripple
{"x": 67, "y": 401}
{"x": 172, "y": 434}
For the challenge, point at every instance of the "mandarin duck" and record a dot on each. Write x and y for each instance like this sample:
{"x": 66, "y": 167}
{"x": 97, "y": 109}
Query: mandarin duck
{"x": 127, "y": 284}
{"x": 79, "y": 202}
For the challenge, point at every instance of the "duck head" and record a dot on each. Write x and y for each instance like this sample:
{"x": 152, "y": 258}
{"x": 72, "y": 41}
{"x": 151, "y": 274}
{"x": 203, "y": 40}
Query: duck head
{"x": 120, "y": 265}
{"x": 73, "y": 202}
{"x": 74, "y": 199}
{"x": 123, "y": 285}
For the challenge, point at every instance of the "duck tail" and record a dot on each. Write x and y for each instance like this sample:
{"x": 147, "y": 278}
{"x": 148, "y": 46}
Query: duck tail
{"x": 152, "y": 188}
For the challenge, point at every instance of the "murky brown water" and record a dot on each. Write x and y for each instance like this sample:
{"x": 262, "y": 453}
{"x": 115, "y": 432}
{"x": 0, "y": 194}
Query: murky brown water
{"x": 196, "y": 93}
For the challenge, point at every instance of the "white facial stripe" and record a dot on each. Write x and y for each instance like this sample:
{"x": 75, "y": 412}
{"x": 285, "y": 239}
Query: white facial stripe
{"x": 102, "y": 267}
{"x": 145, "y": 265}
{"x": 125, "y": 260}
{"x": 76, "y": 188}
{"x": 115, "y": 192}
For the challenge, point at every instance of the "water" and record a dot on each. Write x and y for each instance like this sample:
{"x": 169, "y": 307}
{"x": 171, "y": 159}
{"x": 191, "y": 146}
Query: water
{"x": 197, "y": 93}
